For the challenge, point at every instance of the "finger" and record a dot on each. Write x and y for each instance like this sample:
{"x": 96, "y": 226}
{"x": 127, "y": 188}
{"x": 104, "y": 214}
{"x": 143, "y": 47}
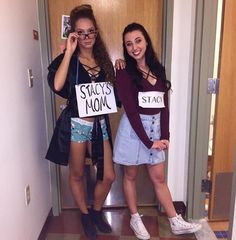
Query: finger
{"x": 74, "y": 33}
{"x": 117, "y": 66}
{"x": 120, "y": 64}
{"x": 162, "y": 146}
{"x": 167, "y": 144}
{"x": 73, "y": 36}
{"x": 164, "y": 142}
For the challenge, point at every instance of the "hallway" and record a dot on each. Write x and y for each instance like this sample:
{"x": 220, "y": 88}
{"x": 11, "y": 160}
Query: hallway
{"x": 68, "y": 227}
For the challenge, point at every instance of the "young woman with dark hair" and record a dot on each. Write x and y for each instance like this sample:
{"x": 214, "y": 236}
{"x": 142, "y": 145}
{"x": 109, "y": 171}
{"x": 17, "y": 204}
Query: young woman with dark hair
{"x": 85, "y": 60}
{"x": 143, "y": 90}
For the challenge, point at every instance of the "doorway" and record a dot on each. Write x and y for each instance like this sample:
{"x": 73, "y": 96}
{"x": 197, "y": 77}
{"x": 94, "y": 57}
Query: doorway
{"x": 199, "y": 125}
{"x": 213, "y": 115}
{"x": 108, "y": 14}
{"x": 224, "y": 136}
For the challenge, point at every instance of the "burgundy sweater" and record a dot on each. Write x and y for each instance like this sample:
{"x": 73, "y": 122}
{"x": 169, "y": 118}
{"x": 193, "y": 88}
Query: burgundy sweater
{"x": 128, "y": 94}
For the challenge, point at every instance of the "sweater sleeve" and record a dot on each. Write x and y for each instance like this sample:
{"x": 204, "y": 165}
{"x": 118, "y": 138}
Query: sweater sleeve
{"x": 118, "y": 101}
{"x": 165, "y": 119}
{"x": 126, "y": 92}
{"x": 52, "y": 69}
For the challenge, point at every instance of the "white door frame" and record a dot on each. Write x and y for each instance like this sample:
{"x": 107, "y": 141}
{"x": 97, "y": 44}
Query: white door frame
{"x": 49, "y": 103}
{"x": 204, "y": 49}
{"x": 206, "y": 19}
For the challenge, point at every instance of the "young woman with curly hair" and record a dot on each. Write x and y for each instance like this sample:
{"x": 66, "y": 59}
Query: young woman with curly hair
{"x": 85, "y": 60}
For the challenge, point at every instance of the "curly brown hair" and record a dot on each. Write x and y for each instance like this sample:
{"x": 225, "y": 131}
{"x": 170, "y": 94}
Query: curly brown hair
{"x": 99, "y": 50}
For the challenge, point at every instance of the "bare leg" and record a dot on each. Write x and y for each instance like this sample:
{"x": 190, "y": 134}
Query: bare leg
{"x": 103, "y": 187}
{"x": 76, "y": 174}
{"x": 157, "y": 175}
{"x": 129, "y": 184}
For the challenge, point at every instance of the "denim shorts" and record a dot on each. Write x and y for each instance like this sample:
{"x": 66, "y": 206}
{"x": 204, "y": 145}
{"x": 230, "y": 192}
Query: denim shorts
{"x": 81, "y": 130}
{"x": 129, "y": 149}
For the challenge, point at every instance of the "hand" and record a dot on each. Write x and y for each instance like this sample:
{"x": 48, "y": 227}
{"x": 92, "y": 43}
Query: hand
{"x": 166, "y": 142}
{"x": 160, "y": 144}
{"x": 72, "y": 42}
{"x": 120, "y": 64}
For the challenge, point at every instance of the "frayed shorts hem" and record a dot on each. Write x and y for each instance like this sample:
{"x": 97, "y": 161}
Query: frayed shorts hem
{"x": 138, "y": 164}
{"x": 81, "y": 130}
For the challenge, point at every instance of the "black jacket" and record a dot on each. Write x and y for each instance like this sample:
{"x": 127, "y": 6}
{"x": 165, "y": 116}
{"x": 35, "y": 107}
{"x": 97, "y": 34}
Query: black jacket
{"x": 59, "y": 148}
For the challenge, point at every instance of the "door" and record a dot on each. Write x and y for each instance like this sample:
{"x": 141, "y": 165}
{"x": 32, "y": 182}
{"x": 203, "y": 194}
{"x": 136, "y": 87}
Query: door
{"x": 112, "y": 17}
{"x": 224, "y": 136}
{"x": 216, "y": 164}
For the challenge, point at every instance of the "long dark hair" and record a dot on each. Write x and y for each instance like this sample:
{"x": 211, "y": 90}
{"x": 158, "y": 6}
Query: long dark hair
{"x": 150, "y": 56}
{"x": 100, "y": 53}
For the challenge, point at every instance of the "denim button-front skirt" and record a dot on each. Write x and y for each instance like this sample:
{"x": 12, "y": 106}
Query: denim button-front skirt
{"x": 129, "y": 149}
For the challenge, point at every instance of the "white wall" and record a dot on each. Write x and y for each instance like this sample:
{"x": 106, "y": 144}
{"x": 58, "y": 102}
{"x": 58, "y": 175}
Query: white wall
{"x": 22, "y": 125}
{"x": 180, "y": 98}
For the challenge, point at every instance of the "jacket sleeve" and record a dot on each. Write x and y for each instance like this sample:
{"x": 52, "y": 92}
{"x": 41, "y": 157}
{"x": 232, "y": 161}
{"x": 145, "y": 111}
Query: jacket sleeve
{"x": 52, "y": 69}
{"x": 126, "y": 92}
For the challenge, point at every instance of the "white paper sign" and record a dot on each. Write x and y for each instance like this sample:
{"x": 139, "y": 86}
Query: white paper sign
{"x": 151, "y": 99}
{"x": 95, "y": 99}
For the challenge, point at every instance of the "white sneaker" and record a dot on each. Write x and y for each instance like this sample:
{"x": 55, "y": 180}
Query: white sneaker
{"x": 138, "y": 227}
{"x": 180, "y": 226}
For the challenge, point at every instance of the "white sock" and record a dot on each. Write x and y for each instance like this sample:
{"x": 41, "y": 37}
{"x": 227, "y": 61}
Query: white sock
{"x": 135, "y": 215}
{"x": 174, "y": 216}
